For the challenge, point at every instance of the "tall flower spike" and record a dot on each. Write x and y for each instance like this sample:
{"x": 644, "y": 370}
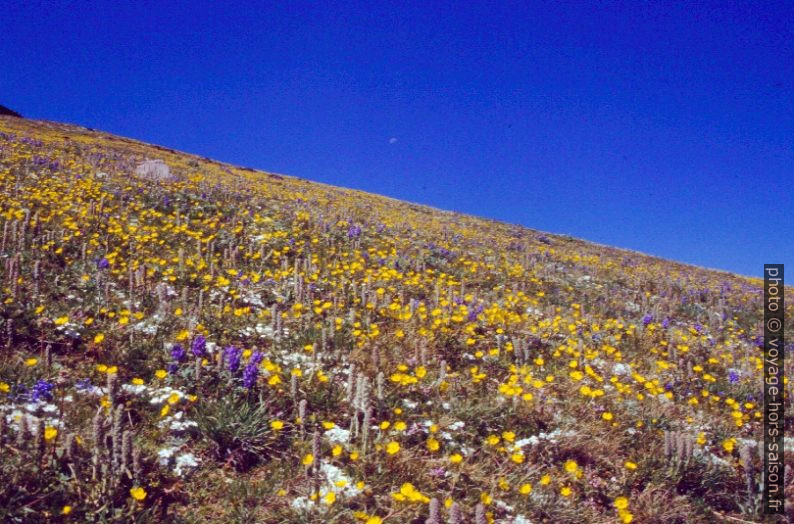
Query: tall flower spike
{"x": 351, "y": 384}
{"x": 681, "y": 447}
{"x": 98, "y": 428}
{"x": 23, "y": 434}
{"x": 365, "y": 428}
{"x": 479, "y": 514}
{"x": 434, "y": 512}
{"x": 116, "y": 438}
{"x": 126, "y": 452}
{"x": 137, "y": 466}
{"x": 455, "y": 514}
{"x": 302, "y": 414}
{"x": 41, "y": 443}
{"x": 379, "y": 385}
{"x": 113, "y": 388}
{"x": 668, "y": 448}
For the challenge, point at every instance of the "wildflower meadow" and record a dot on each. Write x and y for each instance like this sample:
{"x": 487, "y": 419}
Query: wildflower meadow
{"x": 185, "y": 341}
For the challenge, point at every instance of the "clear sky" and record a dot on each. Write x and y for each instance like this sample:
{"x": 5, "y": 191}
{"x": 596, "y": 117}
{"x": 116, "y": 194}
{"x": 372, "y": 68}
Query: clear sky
{"x": 662, "y": 127}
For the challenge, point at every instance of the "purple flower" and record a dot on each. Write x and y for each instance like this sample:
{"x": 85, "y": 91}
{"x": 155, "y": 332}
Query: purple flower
{"x": 647, "y": 319}
{"x": 42, "y": 390}
{"x": 178, "y": 353}
{"x": 666, "y": 323}
{"x": 198, "y": 346}
{"x": 251, "y": 371}
{"x": 103, "y": 263}
{"x": 475, "y": 311}
{"x": 172, "y": 368}
{"x": 733, "y": 376}
{"x": 232, "y": 356}
{"x": 353, "y": 232}
{"x": 83, "y": 384}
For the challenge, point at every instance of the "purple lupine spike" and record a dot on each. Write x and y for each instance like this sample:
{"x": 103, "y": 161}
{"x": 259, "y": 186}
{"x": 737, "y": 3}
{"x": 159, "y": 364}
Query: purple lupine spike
{"x": 666, "y": 323}
{"x": 232, "y": 356}
{"x": 178, "y": 353}
{"x": 353, "y": 232}
{"x": 42, "y": 390}
{"x": 198, "y": 346}
{"x": 251, "y": 371}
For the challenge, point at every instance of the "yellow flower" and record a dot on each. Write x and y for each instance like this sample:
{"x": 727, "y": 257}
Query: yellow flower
{"x": 161, "y": 373}
{"x": 621, "y": 503}
{"x": 31, "y": 362}
{"x": 727, "y": 445}
{"x": 66, "y": 510}
{"x": 392, "y": 447}
{"x": 518, "y": 458}
{"x": 329, "y": 498}
{"x": 336, "y": 451}
{"x": 4, "y": 387}
{"x": 545, "y": 480}
{"x": 328, "y": 425}
{"x": 566, "y": 491}
{"x": 432, "y": 444}
{"x": 137, "y": 381}
{"x": 374, "y": 520}
{"x": 308, "y": 460}
{"x": 456, "y": 458}
{"x": 399, "y": 425}
{"x": 630, "y": 465}
{"x": 50, "y": 433}
{"x": 164, "y": 411}
{"x": 571, "y": 466}
{"x": 525, "y": 489}
{"x": 99, "y": 338}
{"x": 276, "y": 425}
{"x": 61, "y": 320}
{"x": 138, "y": 493}
{"x": 606, "y": 416}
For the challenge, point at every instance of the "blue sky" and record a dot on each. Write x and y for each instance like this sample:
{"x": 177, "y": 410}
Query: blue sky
{"x": 662, "y": 127}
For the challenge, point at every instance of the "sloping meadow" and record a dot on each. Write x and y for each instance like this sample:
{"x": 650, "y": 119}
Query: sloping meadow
{"x": 189, "y": 341}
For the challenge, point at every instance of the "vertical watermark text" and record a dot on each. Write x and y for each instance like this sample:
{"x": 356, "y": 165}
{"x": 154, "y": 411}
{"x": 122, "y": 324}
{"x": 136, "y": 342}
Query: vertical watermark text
{"x": 773, "y": 389}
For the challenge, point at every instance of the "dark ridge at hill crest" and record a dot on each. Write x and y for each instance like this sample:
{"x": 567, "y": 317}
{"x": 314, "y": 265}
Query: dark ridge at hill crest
{"x": 4, "y": 111}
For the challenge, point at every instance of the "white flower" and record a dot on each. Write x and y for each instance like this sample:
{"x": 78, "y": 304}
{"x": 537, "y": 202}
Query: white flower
{"x": 184, "y": 462}
{"x": 337, "y": 434}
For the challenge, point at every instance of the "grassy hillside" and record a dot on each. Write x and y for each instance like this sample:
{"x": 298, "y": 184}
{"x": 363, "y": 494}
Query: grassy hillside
{"x": 218, "y": 344}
